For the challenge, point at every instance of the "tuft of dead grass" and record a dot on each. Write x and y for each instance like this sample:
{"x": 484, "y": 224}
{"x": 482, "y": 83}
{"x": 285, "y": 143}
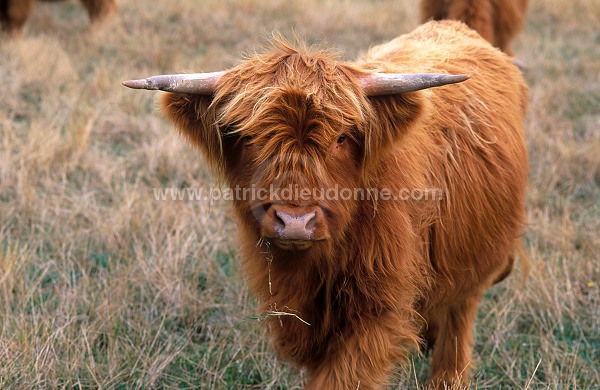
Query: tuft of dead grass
{"x": 103, "y": 286}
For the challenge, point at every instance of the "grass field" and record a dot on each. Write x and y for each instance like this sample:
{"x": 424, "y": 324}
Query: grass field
{"x": 102, "y": 286}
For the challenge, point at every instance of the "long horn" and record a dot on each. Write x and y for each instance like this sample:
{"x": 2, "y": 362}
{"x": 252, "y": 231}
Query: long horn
{"x": 377, "y": 84}
{"x": 198, "y": 83}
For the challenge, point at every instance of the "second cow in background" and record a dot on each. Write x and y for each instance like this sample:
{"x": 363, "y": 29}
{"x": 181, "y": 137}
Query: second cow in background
{"x": 496, "y": 21}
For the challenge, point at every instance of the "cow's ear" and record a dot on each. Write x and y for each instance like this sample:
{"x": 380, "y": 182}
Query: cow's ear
{"x": 195, "y": 119}
{"x": 394, "y": 116}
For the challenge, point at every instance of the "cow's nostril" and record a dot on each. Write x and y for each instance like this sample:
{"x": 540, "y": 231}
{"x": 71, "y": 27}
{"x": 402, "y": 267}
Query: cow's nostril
{"x": 278, "y": 220}
{"x": 311, "y": 221}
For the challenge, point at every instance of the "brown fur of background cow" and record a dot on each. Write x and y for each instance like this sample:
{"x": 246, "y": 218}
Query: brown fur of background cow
{"x": 387, "y": 275}
{"x": 14, "y": 13}
{"x": 498, "y": 21}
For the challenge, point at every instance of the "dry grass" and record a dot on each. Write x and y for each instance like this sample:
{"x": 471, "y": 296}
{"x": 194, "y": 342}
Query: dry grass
{"x": 101, "y": 286}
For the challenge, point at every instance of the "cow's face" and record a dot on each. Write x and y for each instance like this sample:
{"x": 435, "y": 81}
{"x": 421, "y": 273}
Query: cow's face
{"x": 295, "y": 153}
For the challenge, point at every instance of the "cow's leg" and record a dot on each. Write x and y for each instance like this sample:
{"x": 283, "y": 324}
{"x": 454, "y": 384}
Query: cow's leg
{"x": 365, "y": 354}
{"x": 478, "y": 15}
{"x": 453, "y": 347}
{"x": 14, "y": 14}
{"x": 99, "y": 9}
{"x": 507, "y": 269}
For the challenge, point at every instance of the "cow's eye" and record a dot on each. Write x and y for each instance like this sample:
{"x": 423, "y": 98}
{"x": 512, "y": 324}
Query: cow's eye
{"x": 341, "y": 139}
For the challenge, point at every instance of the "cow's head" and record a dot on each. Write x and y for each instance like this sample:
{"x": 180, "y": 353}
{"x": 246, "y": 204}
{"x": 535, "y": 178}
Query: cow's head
{"x": 290, "y": 130}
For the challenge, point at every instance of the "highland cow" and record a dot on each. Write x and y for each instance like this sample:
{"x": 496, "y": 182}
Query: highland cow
{"x": 350, "y": 286}
{"x": 498, "y": 21}
{"x": 14, "y": 13}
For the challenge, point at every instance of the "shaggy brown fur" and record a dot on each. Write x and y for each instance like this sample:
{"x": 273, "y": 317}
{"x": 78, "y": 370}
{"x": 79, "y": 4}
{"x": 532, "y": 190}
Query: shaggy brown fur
{"x": 498, "y": 21}
{"x": 14, "y": 13}
{"x": 384, "y": 276}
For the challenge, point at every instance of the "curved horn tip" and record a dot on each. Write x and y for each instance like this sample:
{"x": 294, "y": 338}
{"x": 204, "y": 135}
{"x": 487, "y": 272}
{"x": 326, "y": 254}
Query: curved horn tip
{"x": 445, "y": 79}
{"x": 462, "y": 77}
{"x": 136, "y": 84}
